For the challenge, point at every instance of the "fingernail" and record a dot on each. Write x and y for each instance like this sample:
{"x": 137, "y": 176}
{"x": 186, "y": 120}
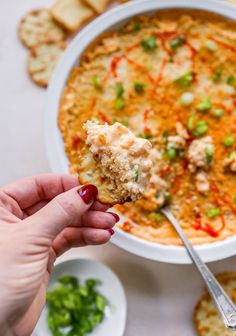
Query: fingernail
{"x": 117, "y": 218}
{"x": 111, "y": 231}
{"x": 88, "y": 193}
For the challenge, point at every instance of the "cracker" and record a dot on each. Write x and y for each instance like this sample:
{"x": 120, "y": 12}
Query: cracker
{"x": 98, "y": 5}
{"x": 71, "y": 14}
{"x": 89, "y": 173}
{"x": 42, "y": 61}
{"x": 206, "y": 317}
{"x": 38, "y": 27}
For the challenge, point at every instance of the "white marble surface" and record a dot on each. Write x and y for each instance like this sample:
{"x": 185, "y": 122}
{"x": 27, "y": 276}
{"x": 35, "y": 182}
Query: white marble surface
{"x": 161, "y": 297}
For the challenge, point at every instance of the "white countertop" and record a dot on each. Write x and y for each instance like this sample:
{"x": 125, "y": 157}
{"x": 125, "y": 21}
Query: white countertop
{"x": 161, "y": 297}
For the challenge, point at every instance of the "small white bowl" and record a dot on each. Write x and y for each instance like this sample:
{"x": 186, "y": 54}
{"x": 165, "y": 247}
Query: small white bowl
{"x": 54, "y": 144}
{"x": 111, "y": 287}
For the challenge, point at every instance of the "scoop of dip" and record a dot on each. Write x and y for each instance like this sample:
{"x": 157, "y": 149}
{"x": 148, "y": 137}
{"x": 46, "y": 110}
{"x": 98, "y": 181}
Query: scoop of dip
{"x": 123, "y": 160}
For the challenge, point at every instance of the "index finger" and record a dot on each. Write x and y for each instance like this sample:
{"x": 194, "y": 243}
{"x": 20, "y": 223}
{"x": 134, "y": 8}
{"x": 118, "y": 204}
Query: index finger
{"x": 31, "y": 190}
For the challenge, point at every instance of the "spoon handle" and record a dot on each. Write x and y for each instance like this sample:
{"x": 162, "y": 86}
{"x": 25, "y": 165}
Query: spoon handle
{"x": 224, "y": 304}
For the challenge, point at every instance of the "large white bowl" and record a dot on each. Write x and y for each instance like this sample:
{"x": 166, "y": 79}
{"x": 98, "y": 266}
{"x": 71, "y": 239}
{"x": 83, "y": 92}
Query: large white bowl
{"x": 54, "y": 144}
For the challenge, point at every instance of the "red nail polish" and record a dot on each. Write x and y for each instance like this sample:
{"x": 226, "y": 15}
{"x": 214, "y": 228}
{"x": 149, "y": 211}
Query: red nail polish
{"x": 111, "y": 231}
{"x": 117, "y": 218}
{"x": 88, "y": 193}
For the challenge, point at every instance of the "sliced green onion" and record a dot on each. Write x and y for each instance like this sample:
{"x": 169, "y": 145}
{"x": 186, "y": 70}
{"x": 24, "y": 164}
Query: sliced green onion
{"x": 136, "y": 26}
{"x": 230, "y": 79}
{"x": 149, "y": 44}
{"x": 136, "y": 174}
{"x": 201, "y": 128}
{"x": 97, "y": 82}
{"x": 205, "y": 105}
{"x": 119, "y": 90}
{"x": 187, "y": 98}
{"x": 155, "y": 216}
{"x": 229, "y": 141}
{"x": 211, "y": 45}
{"x": 209, "y": 151}
{"x": 171, "y": 153}
{"x": 177, "y": 42}
{"x": 212, "y": 213}
{"x": 119, "y": 103}
{"x": 191, "y": 123}
{"x": 217, "y": 74}
{"x": 75, "y": 309}
{"x": 167, "y": 198}
{"x": 144, "y": 136}
{"x": 139, "y": 87}
{"x": 185, "y": 80}
{"x": 218, "y": 113}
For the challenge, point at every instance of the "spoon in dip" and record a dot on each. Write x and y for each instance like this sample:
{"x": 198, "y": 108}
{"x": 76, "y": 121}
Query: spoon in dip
{"x": 223, "y": 303}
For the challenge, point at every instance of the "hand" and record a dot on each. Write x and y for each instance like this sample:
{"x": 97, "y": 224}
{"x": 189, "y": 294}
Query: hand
{"x": 40, "y": 218}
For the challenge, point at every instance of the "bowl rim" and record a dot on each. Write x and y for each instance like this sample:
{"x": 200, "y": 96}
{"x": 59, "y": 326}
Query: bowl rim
{"x": 52, "y": 136}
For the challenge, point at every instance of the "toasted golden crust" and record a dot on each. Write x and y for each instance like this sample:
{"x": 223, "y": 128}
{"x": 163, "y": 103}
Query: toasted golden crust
{"x": 206, "y": 317}
{"x": 38, "y": 27}
{"x": 42, "y": 61}
{"x": 71, "y": 14}
{"x": 89, "y": 173}
{"x": 98, "y": 5}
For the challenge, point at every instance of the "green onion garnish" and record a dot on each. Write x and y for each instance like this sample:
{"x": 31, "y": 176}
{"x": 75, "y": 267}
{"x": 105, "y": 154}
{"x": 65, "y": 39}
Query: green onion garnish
{"x": 149, "y": 44}
{"x": 136, "y": 26}
{"x": 97, "y": 82}
{"x": 139, "y": 87}
{"x": 216, "y": 76}
{"x": 229, "y": 141}
{"x": 184, "y": 80}
{"x": 201, "y": 128}
{"x": 205, "y": 105}
{"x": 171, "y": 153}
{"x": 177, "y": 42}
{"x": 155, "y": 216}
{"x": 209, "y": 151}
{"x": 212, "y": 213}
{"x": 218, "y": 113}
{"x": 230, "y": 79}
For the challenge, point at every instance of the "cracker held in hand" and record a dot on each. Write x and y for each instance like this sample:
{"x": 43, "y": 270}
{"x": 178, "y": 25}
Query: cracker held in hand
{"x": 43, "y": 60}
{"x": 98, "y": 5}
{"x": 38, "y": 27}
{"x": 206, "y": 317}
{"x": 116, "y": 161}
{"x": 71, "y": 14}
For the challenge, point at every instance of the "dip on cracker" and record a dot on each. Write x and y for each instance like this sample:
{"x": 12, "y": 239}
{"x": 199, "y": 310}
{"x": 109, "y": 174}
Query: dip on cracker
{"x": 123, "y": 162}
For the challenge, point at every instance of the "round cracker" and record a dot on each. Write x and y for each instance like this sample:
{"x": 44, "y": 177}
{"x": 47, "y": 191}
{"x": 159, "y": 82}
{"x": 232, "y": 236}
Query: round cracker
{"x": 39, "y": 27}
{"x": 42, "y": 61}
{"x": 206, "y": 317}
{"x": 89, "y": 173}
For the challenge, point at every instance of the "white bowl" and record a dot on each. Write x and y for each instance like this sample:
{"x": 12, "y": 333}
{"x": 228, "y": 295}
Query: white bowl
{"x": 54, "y": 144}
{"x": 111, "y": 287}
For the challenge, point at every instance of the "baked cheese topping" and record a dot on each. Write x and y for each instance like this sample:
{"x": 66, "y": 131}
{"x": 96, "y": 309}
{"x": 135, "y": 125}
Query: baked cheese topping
{"x": 170, "y": 78}
{"x": 122, "y": 157}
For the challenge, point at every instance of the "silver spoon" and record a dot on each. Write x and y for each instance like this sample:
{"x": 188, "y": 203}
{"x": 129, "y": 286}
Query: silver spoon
{"x": 223, "y": 303}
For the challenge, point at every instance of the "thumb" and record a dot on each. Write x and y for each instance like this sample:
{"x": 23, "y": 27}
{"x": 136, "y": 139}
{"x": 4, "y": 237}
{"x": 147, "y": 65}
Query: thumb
{"x": 64, "y": 210}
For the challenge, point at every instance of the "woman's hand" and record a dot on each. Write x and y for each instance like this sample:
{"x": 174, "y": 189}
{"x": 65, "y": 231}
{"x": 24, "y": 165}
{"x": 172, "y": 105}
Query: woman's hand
{"x": 40, "y": 218}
